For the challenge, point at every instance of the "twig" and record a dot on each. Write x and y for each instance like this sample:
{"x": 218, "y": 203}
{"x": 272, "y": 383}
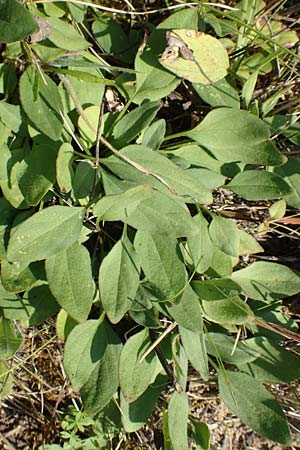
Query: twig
{"x": 277, "y": 329}
{"x": 158, "y": 340}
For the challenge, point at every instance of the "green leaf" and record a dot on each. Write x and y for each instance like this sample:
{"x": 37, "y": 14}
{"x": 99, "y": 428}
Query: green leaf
{"x": 44, "y": 234}
{"x": 221, "y": 346}
{"x": 180, "y": 363}
{"x": 12, "y": 306}
{"x": 186, "y": 312}
{"x": 85, "y": 348}
{"x": 39, "y": 303}
{"x": 277, "y": 210}
{"x": 119, "y": 279}
{"x": 146, "y": 209}
{"x": 195, "y": 56}
{"x": 255, "y": 406}
{"x": 147, "y": 318}
{"x": 195, "y": 350}
{"x": 10, "y": 338}
{"x": 274, "y": 363}
{"x": 199, "y": 244}
{"x": 64, "y": 325}
{"x": 87, "y": 85}
{"x": 180, "y": 180}
{"x": 63, "y": 35}
{"x": 267, "y": 281}
{"x": 201, "y": 436}
{"x": 135, "y": 414}
{"x": 161, "y": 262}
{"x": 10, "y": 115}
{"x": 218, "y": 289}
{"x": 134, "y": 123}
{"x": 224, "y": 233}
{"x": 12, "y": 168}
{"x": 14, "y": 280}
{"x": 211, "y": 180}
{"x": 153, "y": 136}
{"x": 7, "y": 213}
{"x": 248, "y": 245}
{"x": 258, "y": 185}
{"x": 147, "y": 66}
{"x": 15, "y": 21}
{"x": 198, "y": 156}
{"x": 103, "y": 382}
{"x": 290, "y": 172}
{"x": 41, "y": 102}
{"x": 69, "y": 275}
{"x": 228, "y": 311}
{"x": 6, "y": 379}
{"x": 113, "y": 39}
{"x": 219, "y": 93}
{"x": 64, "y": 169}
{"x": 83, "y": 182}
{"x": 178, "y": 413}
{"x": 38, "y": 177}
{"x": 136, "y": 376}
{"x": 221, "y": 264}
{"x": 248, "y": 89}
{"x": 91, "y": 115}
{"x": 235, "y": 135}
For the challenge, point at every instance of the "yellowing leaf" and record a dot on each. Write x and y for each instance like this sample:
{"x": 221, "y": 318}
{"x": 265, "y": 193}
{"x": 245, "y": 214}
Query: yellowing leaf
{"x": 195, "y": 56}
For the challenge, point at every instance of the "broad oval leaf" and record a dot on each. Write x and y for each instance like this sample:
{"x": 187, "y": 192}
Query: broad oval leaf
{"x": 166, "y": 173}
{"x": 147, "y": 66}
{"x": 63, "y": 35}
{"x": 146, "y": 209}
{"x": 38, "y": 303}
{"x": 15, "y": 21}
{"x": 267, "y": 281}
{"x": 69, "y": 275}
{"x": 290, "y": 172}
{"x": 161, "y": 263}
{"x": 104, "y": 380}
{"x": 119, "y": 276}
{"x": 218, "y": 289}
{"x": 195, "y": 56}
{"x": 225, "y": 235}
{"x": 136, "y": 375}
{"x": 255, "y": 406}
{"x": 259, "y": 185}
{"x": 228, "y": 311}
{"x": 178, "y": 413}
{"x": 38, "y": 177}
{"x": 43, "y": 107}
{"x": 220, "y": 93}
{"x": 134, "y": 123}
{"x": 235, "y": 135}
{"x": 221, "y": 346}
{"x": 64, "y": 170}
{"x": 195, "y": 350}
{"x": 14, "y": 280}
{"x": 136, "y": 413}
{"x": 187, "y": 311}
{"x": 44, "y": 234}
{"x": 274, "y": 364}
{"x": 85, "y": 348}
{"x": 199, "y": 244}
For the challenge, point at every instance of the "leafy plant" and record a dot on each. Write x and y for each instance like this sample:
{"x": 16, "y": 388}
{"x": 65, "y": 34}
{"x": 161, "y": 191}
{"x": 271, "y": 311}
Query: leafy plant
{"x": 106, "y": 220}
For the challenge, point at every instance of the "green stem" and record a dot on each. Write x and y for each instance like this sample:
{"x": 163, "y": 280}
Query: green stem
{"x": 174, "y": 136}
